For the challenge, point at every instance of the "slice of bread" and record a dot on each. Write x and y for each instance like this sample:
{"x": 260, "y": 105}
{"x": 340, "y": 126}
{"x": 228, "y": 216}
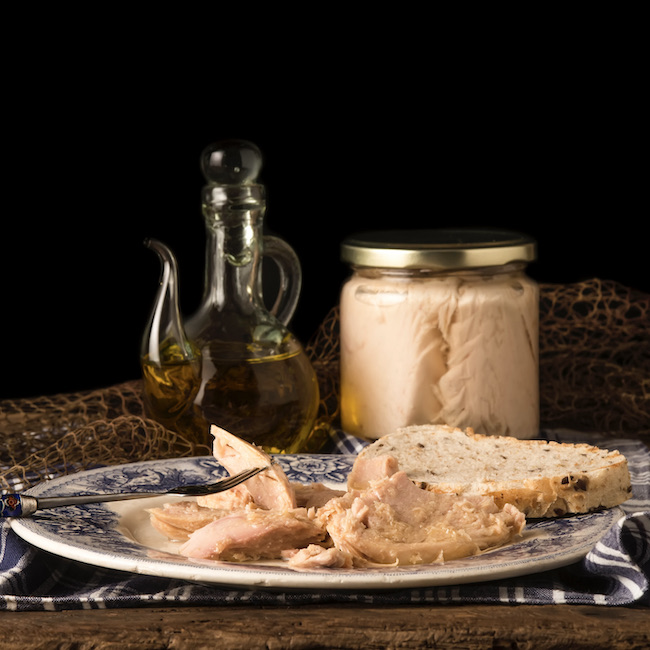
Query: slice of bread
{"x": 542, "y": 479}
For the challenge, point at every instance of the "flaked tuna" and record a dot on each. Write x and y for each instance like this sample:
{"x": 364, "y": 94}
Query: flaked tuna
{"x": 394, "y": 522}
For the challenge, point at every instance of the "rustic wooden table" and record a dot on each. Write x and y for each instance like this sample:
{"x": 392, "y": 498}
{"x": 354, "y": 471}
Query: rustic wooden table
{"x": 331, "y": 626}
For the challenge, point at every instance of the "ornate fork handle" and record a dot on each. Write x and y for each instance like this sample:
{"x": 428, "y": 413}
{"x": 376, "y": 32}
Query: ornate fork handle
{"x": 17, "y": 505}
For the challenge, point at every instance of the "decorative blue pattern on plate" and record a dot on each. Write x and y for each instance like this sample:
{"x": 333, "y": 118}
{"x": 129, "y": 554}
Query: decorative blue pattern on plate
{"x": 119, "y": 537}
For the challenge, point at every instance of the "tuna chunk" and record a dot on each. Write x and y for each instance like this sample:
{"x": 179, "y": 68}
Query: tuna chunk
{"x": 253, "y": 535}
{"x": 270, "y": 489}
{"x": 366, "y": 470}
{"x": 178, "y": 520}
{"x": 314, "y": 495}
{"x": 394, "y": 522}
{"x": 318, "y": 557}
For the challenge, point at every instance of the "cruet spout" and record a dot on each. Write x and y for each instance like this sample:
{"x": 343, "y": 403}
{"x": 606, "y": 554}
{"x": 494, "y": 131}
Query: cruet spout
{"x": 165, "y": 339}
{"x": 171, "y": 363}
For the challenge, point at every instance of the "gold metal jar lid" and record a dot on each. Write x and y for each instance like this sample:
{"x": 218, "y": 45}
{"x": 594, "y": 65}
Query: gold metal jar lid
{"x": 437, "y": 248}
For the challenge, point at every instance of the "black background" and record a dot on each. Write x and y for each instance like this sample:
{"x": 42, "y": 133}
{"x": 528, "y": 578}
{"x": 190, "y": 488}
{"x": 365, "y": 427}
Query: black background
{"x": 94, "y": 163}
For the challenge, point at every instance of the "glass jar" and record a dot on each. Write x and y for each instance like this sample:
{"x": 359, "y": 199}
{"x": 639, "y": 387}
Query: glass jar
{"x": 441, "y": 327}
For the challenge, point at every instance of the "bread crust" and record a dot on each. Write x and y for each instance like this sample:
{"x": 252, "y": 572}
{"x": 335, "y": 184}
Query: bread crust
{"x": 553, "y": 479}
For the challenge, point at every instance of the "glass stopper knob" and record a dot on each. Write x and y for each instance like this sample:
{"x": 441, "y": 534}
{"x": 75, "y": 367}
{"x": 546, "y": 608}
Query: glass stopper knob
{"x": 231, "y": 162}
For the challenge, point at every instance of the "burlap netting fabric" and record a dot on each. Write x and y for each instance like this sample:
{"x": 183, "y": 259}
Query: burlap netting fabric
{"x": 594, "y": 376}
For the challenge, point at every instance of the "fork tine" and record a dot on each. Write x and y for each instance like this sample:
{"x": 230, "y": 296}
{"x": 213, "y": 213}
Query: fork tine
{"x": 222, "y": 485}
{"x": 232, "y": 481}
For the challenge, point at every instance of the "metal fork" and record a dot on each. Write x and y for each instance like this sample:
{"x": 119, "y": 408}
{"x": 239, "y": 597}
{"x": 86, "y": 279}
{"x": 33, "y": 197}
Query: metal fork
{"x": 23, "y": 505}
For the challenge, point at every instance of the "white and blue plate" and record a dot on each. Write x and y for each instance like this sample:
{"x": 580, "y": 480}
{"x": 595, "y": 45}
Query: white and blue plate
{"x": 119, "y": 536}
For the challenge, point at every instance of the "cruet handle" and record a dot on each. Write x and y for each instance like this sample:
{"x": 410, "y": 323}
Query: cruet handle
{"x": 288, "y": 264}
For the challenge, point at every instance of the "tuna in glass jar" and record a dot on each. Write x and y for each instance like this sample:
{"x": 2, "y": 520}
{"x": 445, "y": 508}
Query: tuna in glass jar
{"x": 439, "y": 326}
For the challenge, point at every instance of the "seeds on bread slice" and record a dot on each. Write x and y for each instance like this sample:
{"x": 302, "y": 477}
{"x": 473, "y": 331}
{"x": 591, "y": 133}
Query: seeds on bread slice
{"x": 540, "y": 478}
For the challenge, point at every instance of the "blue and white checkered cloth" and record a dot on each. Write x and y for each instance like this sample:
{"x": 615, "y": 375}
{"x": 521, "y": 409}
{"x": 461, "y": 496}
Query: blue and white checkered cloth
{"x": 615, "y": 572}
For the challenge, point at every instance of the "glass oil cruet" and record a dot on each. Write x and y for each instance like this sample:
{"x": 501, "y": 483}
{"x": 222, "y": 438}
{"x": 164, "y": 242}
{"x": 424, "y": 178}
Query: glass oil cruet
{"x": 233, "y": 363}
